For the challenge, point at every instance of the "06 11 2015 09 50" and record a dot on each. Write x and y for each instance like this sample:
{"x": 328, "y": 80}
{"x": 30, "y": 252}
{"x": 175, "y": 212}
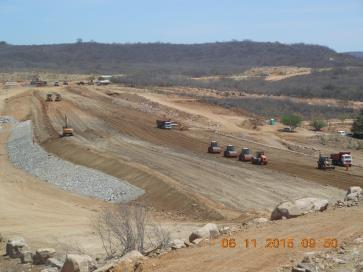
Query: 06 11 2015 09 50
{"x": 277, "y": 243}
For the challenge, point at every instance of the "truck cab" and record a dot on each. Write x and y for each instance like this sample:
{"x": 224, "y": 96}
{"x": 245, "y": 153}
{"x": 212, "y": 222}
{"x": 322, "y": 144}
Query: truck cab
{"x": 342, "y": 159}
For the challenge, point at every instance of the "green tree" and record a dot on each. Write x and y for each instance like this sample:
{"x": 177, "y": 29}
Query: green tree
{"x": 291, "y": 120}
{"x": 357, "y": 127}
{"x": 318, "y": 124}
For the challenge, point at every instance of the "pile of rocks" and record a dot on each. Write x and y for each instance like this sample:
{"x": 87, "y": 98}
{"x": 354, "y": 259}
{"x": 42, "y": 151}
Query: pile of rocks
{"x": 348, "y": 257}
{"x": 354, "y": 197}
{"x": 16, "y": 247}
{"x": 46, "y": 260}
{"x": 82, "y": 180}
{"x": 8, "y": 120}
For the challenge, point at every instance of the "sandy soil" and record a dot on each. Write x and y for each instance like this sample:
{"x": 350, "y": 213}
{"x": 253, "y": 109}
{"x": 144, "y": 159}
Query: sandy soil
{"x": 115, "y": 133}
{"x": 338, "y": 224}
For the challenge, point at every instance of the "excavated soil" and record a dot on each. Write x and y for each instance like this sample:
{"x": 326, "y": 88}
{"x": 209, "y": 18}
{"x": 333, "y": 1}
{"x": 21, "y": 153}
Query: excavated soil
{"x": 115, "y": 133}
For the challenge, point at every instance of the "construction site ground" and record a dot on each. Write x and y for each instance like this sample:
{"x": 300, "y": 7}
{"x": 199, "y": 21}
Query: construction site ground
{"x": 184, "y": 185}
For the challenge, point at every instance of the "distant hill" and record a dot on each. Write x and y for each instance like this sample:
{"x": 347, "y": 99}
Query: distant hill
{"x": 187, "y": 59}
{"x": 356, "y": 54}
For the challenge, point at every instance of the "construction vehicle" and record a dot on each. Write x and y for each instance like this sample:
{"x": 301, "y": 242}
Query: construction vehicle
{"x": 214, "y": 148}
{"x": 49, "y": 97}
{"x": 260, "y": 158}
{"x": 67, "y": 130}
{"x": 58, "y": 97}
{"x": 164, "y": 124}
{"x": 342, "y": 159}
{"x": 245, "y": 154}
{"x": 230, "y": 151}
{"x": 324, "y": 163}
{"x": 56, "y": 84}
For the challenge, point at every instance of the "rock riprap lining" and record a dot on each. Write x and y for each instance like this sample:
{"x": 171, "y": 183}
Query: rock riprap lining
{"x": 79, "y": 179}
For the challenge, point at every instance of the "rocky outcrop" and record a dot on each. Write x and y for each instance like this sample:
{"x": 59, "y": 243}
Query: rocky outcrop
{"x": 15, "y": 247}
{"x": 42, "y": 255}
{"x": 177, "y": 244}
{"x": 210, "y": 230}
{"x": 354, "y": 193}
{"x": 78, "y": 263}
{"x": 291, "y": 209}
{"x": 129, "y": 262}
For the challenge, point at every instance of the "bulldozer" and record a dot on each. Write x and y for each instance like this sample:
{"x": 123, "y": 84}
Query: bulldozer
{"x": 67, "y": 130}
{"x": 260, "y": 158}
{"x": 324, "y": 163}
{"x": 230, "y": 151}
{"x": 214, "y": 148}
{"x": 245, "y": 155}
{"x": 49, "y": 97}
{"x": 58, "y": 97}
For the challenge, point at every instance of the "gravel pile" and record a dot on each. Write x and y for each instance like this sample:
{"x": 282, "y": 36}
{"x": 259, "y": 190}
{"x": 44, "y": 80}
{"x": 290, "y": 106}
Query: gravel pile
{"x": 8, "y": 120}
{"x": 79, "y": 179}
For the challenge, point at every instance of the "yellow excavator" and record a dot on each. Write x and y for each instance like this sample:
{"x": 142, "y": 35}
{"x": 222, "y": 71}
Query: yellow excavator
{"x": 67, "y": 130}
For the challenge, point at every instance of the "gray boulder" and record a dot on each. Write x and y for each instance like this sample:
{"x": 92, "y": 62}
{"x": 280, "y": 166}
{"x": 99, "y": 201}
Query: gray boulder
{"x": 26, "y": 257}
{"x": 355, "y": 189}
{"x": 78, "y": 263}
{"x": 53, "y": 262}
{"x": 133, "y": 256}
{"x": 49, "y": 269}
{"x": 210, "y": 230}
{"x": 177, "y": 244}
{"x": 354, "y": 193}
{"x": 42, "y": 255}
{"x": 298, "y": 207}
{"x": 15, "y": 247}
{"x": 126, "y": 263}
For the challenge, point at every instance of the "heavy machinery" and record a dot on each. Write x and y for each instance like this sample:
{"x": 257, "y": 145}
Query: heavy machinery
{"x": 230, "y": 151}
{"x": 56, "y": 84}
{"x": 214, "y": 148}
{"x": 40, "y": 83}
{"x": 245, "y": 154}
{"x": 342, "y": 159}
{"x": 324, "y": 163}
{"x": 164, "y": 124}
{"x": 58, "y": 97}
{"x": 260, "y": 158}
{"x": 49, "y": 97}
{"x": 67, "y": 130}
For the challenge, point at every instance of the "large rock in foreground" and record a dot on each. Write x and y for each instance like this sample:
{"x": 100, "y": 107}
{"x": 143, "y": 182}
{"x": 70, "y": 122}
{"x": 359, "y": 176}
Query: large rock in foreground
{"x": 291, "y": 209}
{"x": 42, "y": 255}
{"x": 354, "y": 193}
{"x": 78, "y": 263}
{"x": 15, "y": 247}
{"x": 129, "y": 262}
{"x": 210, "y": 230}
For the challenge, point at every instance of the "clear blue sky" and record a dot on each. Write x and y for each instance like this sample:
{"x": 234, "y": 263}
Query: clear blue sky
{"x": 335, "y": 23}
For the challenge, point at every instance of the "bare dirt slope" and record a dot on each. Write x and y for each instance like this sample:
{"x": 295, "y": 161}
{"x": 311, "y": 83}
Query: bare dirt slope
{"x": 42, "y": 213}
{"x": 337, "y": 224}
{"x": 115, "y": 133}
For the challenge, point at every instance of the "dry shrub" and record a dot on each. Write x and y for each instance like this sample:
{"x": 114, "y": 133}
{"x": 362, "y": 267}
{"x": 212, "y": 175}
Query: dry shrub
{"x": 127, "y": 227}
